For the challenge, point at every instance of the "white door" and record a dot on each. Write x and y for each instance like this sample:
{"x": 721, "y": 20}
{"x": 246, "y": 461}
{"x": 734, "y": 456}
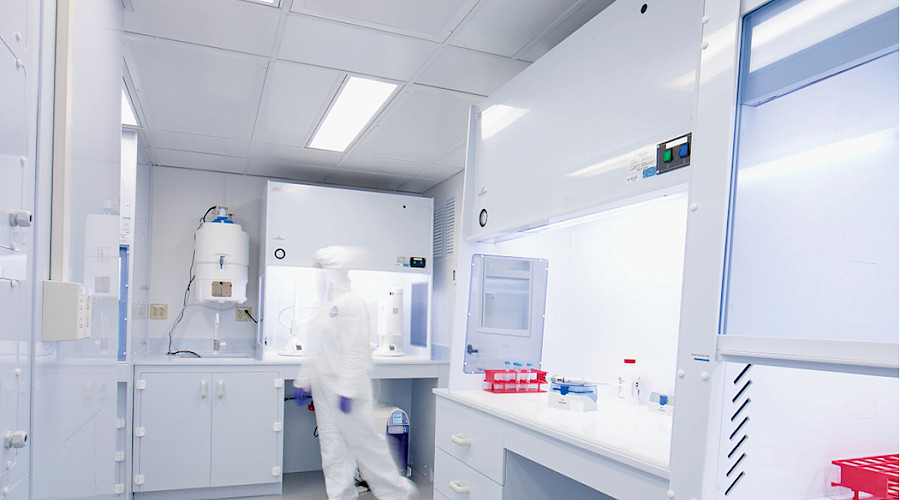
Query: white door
{"x": 17, "y": 115}
{"x": 245, "y": 436}
{"x": 171, "y": 428}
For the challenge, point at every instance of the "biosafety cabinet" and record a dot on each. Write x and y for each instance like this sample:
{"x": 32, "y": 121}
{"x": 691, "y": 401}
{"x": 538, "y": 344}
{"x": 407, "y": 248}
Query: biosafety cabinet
{"x": 681, "y": 193}
{"x": 391, "y": 239}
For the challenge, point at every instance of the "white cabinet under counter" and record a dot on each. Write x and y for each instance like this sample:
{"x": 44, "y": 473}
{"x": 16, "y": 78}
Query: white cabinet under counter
{"x": 207, "y": 431}
{"x": 527, "y": 448}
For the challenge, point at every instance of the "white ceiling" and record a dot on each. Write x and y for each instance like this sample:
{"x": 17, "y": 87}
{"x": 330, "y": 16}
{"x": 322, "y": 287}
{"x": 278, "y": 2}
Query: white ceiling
{"x": 238, "y": 86}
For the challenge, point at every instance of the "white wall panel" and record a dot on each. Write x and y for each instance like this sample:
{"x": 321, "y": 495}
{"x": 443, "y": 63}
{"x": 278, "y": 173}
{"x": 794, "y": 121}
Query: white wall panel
{"x": 179, "y": 198}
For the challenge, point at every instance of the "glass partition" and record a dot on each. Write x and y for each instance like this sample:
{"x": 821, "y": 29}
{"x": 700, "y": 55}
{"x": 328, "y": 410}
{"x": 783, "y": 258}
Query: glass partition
{"x": 813, "y": 250}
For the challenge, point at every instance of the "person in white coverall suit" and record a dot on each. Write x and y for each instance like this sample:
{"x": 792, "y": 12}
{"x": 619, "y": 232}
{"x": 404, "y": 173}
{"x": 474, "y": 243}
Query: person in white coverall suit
{"x": 339, "y": 379}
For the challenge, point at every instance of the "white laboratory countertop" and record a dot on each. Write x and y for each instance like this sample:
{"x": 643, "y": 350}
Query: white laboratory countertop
{"x": 628, "y": 434}
{"x": 384, "y": 367}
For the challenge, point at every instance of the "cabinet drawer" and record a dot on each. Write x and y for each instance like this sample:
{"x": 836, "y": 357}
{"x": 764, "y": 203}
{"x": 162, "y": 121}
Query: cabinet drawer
{"x": 469, "y": 484}
{"x": 470, "y": 437}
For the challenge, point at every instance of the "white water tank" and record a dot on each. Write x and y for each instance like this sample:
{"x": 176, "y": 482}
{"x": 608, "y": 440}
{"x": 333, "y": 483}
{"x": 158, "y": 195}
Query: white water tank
{"x": 221, "y": 261}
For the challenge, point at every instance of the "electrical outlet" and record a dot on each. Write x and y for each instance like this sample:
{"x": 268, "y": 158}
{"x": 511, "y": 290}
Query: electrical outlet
{"x": 242, "y": 314}
{"x": 159, "y": 311}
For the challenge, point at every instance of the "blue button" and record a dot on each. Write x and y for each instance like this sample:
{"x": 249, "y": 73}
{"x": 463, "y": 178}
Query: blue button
{"x": 649, "y": 172}
{"x": 684, "y": 150}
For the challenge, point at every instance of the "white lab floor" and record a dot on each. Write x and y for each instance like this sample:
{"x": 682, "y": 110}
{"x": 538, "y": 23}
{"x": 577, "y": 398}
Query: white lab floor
{"x": 311, "y": 486}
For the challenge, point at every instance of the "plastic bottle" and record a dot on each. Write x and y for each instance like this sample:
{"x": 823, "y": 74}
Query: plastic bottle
{"x": 629, "y": 386}
{"x": 519, "y": 377}
{"x": 507, "y": 371}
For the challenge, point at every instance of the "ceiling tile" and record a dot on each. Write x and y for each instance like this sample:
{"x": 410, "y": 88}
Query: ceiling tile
{"x": 423, "y": 125}
{"x": 504, "y": 27}
{"x": 469, "y": 71}
{"x": 456, "y": 158}
{"x": 429, "y": 19}
{"x": 166, "y": 139}
{"x": 272, "y": 154}
{"x": 367, "y": 180}
{"x": 296, "y": 96}
{"x": 382, "y": 165}
{"x": 559, "y": 33}
{"x": 250, "y": 27}
{"x": 352, "y": 48}
{"x": 417, "y": 185}
{"x": 186, "y": 88}
{"x": 198, "y": 161}
{"x": 438, "y": 172}
{"x": 296, "y": 173}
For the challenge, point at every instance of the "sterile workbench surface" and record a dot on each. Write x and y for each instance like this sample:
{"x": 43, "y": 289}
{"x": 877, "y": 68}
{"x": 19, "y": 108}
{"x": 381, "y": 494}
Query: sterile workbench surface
{"x": 400, "y": 367}
{"x": 603, "y": 449}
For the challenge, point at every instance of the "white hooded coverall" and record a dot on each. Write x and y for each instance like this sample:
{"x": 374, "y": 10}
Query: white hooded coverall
{"x": 342, "y": 366}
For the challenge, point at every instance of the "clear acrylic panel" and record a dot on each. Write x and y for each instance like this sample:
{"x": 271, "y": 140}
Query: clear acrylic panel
{"x": 814, "y": 220}
{"x": 507, "y": 300}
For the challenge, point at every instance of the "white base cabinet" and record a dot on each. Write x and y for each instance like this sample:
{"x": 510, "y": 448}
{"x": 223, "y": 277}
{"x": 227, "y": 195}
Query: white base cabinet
{"x": 195, "y": 428}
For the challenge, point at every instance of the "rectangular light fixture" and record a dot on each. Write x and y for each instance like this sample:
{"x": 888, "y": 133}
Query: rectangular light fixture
{"x": 358, "y": 101}
{"x": 273, "y": 3}
{"x": 128, "y": 116}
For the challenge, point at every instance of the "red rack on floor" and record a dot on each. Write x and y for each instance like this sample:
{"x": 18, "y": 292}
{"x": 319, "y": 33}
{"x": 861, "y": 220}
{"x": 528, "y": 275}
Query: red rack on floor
{"x": 873, "y": 475}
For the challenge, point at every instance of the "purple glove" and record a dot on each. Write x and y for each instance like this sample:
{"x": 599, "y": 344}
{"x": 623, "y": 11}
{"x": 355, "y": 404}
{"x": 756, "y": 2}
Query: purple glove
{"x": 345, "y": 404}
{"x": 300, "y": 395}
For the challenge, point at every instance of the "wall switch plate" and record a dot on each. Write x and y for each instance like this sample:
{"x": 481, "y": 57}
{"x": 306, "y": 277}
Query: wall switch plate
{"x": 159, "y": 311}
{"x": 139, "y": 310}
{"x": 242, "y": 313}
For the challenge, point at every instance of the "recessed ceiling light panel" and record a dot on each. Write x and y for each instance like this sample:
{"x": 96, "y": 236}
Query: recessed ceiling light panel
{"x": 128, "y": 116}
{"x": 357, "y": 103}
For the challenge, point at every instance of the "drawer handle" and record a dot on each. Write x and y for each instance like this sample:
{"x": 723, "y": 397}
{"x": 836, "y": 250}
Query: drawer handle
{"x": 203, "y": 389}
{"x": 461, "y": 441}
{"x": 221, "y": 389}
{"x": 458, "y": 488}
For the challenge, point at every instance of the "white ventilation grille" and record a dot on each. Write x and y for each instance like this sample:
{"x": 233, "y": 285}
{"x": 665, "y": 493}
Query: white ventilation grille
{"x": 445, "y": 227}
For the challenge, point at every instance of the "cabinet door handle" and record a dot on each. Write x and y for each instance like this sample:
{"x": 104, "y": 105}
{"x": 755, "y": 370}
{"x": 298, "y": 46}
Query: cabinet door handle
{"x": 458, "y": 488}
{"x": 460, "y": 440}
{"x": 203, "y": 389}
{"x": 221, "y": 389}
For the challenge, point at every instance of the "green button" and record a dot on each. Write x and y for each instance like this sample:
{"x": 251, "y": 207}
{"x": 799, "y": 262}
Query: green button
{"x": 667, "y": 156}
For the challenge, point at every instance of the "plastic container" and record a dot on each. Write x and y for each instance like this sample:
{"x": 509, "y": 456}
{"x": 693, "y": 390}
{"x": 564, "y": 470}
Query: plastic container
{"x": 629, "y": 383}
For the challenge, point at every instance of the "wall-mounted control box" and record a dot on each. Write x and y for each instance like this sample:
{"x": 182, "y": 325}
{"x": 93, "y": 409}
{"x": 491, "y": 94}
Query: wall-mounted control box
{"x": 66, "y": 311}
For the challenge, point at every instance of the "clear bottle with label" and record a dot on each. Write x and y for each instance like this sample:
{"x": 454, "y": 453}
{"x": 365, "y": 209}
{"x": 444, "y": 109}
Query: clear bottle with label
{"x": 629, "y": 383}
